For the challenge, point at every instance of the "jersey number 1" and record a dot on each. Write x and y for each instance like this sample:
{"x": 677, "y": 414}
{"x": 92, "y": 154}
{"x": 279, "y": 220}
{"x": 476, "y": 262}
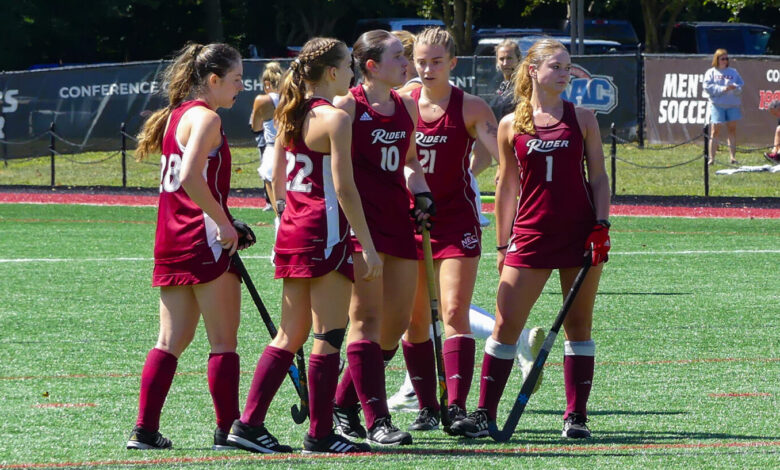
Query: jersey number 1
{"x": 549, "y": 167}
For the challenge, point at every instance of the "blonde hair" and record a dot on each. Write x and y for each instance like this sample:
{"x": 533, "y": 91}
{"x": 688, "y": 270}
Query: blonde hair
{"x": 437, "y": 36}
{"x": 541, "y": 50}
{"x": 407, "y": 39}
{"x": 316, "y": 55}
{"x": 272, "y": 73}
{"x": 511, "y": 45}
{"x": 183, "y": 78}
{"x": 717, "y": 55}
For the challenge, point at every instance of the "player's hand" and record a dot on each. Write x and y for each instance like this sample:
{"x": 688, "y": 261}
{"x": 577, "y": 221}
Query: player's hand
{"x": 598, "y": 242}
{"x": 423, "y": 210}
{"x": 374, "y": 265}
{"x": 246, "y": 237}
{"x": 227, "y": 237}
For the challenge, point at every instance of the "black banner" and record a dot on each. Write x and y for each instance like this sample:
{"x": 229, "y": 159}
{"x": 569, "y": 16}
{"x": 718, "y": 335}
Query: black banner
{"x": 88, "y": 104}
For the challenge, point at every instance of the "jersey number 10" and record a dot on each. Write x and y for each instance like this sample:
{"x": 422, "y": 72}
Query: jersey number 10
{"x": 390, "y": 158}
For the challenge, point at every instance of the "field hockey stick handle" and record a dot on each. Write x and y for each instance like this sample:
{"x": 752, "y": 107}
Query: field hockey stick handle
{"x": 250, "y": 286}
{"x": 572, "y": 294}
{"x": 432, "y": 294}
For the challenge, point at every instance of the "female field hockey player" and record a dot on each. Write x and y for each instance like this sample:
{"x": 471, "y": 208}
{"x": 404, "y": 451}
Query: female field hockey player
{"x": 544, "y": 149}
{"x": 196, "y": 235}
{"x": 313, "y": 248}
{"x": 449, "y": 122}
{"x": 262, "y": 120}
{"x": 383, "y": 151}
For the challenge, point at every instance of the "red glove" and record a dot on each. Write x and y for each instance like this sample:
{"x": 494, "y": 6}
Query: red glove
{"x": 598, "y": 240}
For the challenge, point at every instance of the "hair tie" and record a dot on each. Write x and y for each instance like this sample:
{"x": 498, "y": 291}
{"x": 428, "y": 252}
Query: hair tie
{"x": 196, "y": 50}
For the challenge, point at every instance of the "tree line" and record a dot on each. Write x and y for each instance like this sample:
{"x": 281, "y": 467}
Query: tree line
{"x": 50, "y": 32}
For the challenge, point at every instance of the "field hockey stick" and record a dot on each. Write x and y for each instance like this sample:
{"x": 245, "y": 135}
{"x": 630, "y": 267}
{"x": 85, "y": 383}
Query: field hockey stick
{"x": 432, "y": 295}
{"x": 506, "y": 432}
{"x": 296, "y": 374}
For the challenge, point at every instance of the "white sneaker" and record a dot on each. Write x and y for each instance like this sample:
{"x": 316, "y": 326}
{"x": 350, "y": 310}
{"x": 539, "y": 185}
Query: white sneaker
{"x": 528, "y": 347}
{"x": 405, "y": 399}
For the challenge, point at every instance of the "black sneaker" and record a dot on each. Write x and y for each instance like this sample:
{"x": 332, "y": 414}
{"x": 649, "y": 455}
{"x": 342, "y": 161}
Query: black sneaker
{"x": 773, "y": 158}
{"x": 220, "y": 441}
{"x": 456, "y": 413}
{"x": 255, "y": 439}
{"x": 473, "y": 425}
{"x": 574, "y": 427}
{"x": 384, "y": 433}
{"x": 333, "y": 444}
{"x": 347, "y": 422}
{"x": 427, "y": 420}
{"x": 141, "y": 439}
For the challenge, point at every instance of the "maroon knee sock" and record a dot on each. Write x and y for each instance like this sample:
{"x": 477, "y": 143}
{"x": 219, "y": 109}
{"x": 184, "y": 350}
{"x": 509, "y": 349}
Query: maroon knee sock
{"x": 323, "y": 377}
{"x": 421, "y": 364}
{"x": 223, "y": 373}
{"x": 578, "y": 379}
{"x": 346, "y": 395}
{"x": 458, "y": 355}
{"x": 495, "y": 373}
{"x": 368, "y": 375}
{"x": 156, "y": 379}
{"x": 269, "y": 374}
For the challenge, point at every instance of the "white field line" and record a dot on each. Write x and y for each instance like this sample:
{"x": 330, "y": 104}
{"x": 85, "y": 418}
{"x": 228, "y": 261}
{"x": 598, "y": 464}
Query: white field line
{"x": 486, "y": 255}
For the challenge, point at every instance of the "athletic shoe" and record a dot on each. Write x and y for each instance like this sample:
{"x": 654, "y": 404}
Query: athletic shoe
{"x": 220, "y": 441}
{"x": 772, "y": 157}
{"x": 456, "y": 413}
{"x": 403, "y": 400}
{"x": 384, "y": 433}
{"x": 527, "y": 352}
{"x": 141, "y": 439}
{"x": 427, "y": 420}
{"x": 473, "y": 425}
{"x": 574, "y": 427}
{"x": 255, "y": 439}
{"x": 347, "y": 422}
{"x": 332, "y": 444}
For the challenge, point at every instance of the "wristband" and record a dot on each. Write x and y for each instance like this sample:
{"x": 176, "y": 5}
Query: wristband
{"x": 604, "y": 222}
{"x": 502, "y": 247}
{"x": 281, "y": 205}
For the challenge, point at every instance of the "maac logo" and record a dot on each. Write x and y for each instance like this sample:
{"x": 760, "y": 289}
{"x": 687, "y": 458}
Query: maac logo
{"x": 595, "y": 92}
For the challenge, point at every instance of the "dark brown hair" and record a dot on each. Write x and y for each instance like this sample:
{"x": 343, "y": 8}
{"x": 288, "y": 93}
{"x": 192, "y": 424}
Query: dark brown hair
{"x": 370, "y": 46}
{"x": 184, "y": 77}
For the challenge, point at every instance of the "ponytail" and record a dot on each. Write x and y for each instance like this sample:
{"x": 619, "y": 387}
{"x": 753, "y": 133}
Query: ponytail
{"x": 524, "y": 113}
{"x": 184, "y": 77}
{"x": 540, "y": 51}
{"x": 309, "y": 66}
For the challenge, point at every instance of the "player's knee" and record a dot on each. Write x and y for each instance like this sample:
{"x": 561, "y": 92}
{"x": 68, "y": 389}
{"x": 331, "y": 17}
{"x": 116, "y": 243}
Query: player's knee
{"x": 334, "y": 337}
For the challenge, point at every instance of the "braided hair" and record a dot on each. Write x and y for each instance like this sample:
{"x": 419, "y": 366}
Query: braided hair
{"x": 310, "y": 65}
{"x": 184, "y": 77}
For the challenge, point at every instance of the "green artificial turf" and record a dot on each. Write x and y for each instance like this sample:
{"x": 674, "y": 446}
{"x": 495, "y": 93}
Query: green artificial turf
{"x": 649, "y": 171}
{"x": 687, "y": 364}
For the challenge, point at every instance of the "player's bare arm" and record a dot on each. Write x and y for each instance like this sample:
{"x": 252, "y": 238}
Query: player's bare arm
{"x": 594, "y": 160}
{"x": 507, "y": 186}
{"x": 338, "y": 125}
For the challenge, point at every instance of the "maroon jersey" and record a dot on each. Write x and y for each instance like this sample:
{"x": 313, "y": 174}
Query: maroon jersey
{"x": 379, "y": 147}
{"x": 313, "y": 220}
{"x": 443, "y": 148}
{"x": 555, "y": 197}
{"x": 183, "y": 228}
